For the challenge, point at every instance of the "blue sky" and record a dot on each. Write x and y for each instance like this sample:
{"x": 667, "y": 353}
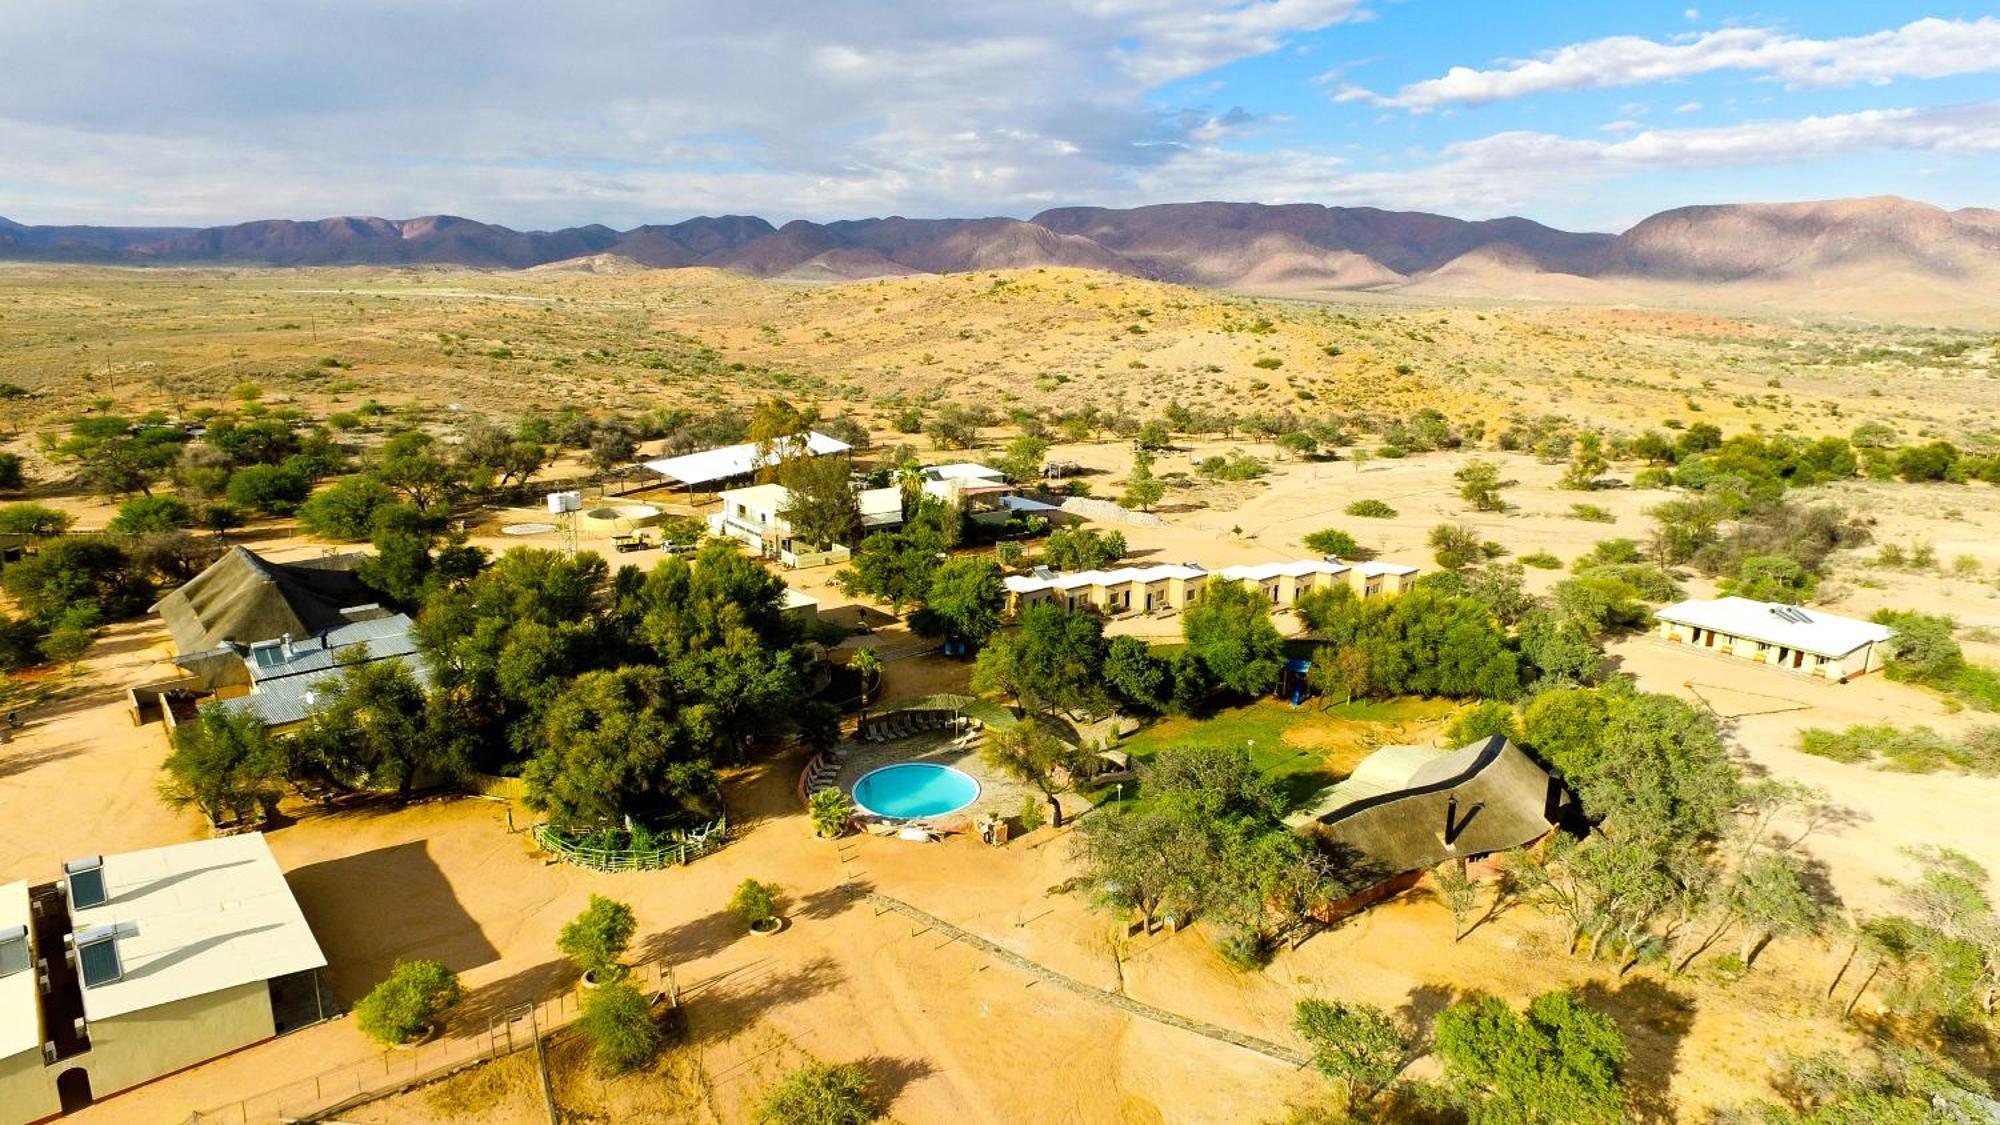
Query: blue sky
{"x": 1584, "y": 116}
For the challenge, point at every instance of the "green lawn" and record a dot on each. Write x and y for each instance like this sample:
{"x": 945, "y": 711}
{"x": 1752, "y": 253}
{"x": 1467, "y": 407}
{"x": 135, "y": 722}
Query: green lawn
{"x": 1322, "y": 746}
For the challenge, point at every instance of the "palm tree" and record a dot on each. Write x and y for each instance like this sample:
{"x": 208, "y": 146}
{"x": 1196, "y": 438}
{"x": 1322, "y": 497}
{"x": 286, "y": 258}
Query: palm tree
{"x": 868, "y": 666}
{"x": 910, "y": 479}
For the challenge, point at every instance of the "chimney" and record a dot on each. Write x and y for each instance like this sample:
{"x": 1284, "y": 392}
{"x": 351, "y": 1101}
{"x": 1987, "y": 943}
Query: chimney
{"x": 286, "y": 643}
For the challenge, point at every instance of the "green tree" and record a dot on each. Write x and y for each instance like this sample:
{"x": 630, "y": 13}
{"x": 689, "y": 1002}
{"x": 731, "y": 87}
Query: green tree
{"x": 1023, "y": 459}
{"x": 144, "y": 515}
{"x": 117, "y": 456}
{"x": 1772, "y": 578}
{"x": 33, "y": 519}
{"x": 1560, "y": 1064}
{"x": 1459, "y": 894}
{"x": 1335, "y": 542}
{"x": 1031, "y": 754}
{"x": 273, "y": 489}
{"x": 1455, "y": 546}
{"x": 415, "y": 467}
{"x": 1481, "y": 721}
{"x": 1050, "y": 663}
{"x": 595, "y": 939}
{"x": 1136, "y": 677}
{"x": 226, "y": 763}
{"x": 1228, "y": 628}
{"x": 413, "y": 1000}
{"x": 1082, "y": 548}
{"x": 375, "y": 727}
{"x": 13, "y": 472}
{"x": 618, "y": 1020}
{"x": 821, "y": 1094}
{"x": 964, "y": 601}
{"x": 1479, "y": 485}
{"x": 1153, "y": 436}
{"x": 74, "y": 572}
{"x": 610, "y": 748}
{"x": 821, "y": 504}
{"x": 1586, "y": 463}
{"x": 345, "y": 510}
{"x": 756, "y": 903}
{"x": 1358, "y": 1044}
{"x": 1142, "y": 488}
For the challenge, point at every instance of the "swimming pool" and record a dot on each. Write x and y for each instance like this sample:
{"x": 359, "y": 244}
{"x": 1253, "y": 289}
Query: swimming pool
{"x": 914, "y": 789}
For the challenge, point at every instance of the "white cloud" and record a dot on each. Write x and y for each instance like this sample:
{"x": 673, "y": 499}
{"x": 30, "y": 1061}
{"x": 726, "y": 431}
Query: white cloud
{"x": 1925, "y": 48}
{"x": 619, "y": 111}
{"x": 1688, "y": 107}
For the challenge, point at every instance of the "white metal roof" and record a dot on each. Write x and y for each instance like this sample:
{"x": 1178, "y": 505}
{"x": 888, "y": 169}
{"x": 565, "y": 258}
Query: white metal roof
{"x": 1259, "y": 572}
{"x": 733, "y": 461}
{"x": 20, "y": 1013}
{"x": 793, "y": 599}
{"x": 963, "y": 470}
{"x": 1372, "y": 568}
{"x": 196, "y": 918}
{"x": 1252, "y": 572}
{"x": 1821, "y": 633}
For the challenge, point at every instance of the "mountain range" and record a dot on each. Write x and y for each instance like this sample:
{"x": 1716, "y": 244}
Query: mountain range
{"x": 1839, "y": 253}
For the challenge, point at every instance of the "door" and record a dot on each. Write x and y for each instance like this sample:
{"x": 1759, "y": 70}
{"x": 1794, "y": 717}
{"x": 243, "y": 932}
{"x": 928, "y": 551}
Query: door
{"x": 73, "y": 1088}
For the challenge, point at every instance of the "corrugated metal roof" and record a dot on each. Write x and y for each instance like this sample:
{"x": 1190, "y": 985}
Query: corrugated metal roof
{"x": 1821, "y": 633}
{"x": 732, "y": 461}
{"x": 385, "y": 637}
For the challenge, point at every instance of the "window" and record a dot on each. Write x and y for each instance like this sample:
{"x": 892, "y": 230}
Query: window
{"x": 97, "y": 956}
{"x": 13, "y": 950}
{"x": 86, "y": 882}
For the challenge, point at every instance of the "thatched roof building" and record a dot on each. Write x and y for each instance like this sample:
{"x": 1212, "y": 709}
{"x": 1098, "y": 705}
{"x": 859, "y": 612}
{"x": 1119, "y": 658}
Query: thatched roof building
{"x": 243, "y": 598}
{"x": 1406, "y": 809}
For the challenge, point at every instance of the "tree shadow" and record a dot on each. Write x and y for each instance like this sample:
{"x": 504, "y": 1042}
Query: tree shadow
{"x": 726, "y": 1004}
{"x": 1420, "y": 1010}
{"x": 692, "y": 940}
{"x": 890, "y": 1077}
{"x": 824, "y": 903}
{"x": 1655, "y": 1019}
{"x": 342, "y": 901}
{"x": 16, "y": 762}
{"x": 492, "y": 1003}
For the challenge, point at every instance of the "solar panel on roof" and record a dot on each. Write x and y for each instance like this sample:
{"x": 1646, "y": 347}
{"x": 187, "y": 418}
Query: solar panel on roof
{"x": 86, "y": 882}
{"x": 98, "y": 961}
{"x": 13, "y": 950}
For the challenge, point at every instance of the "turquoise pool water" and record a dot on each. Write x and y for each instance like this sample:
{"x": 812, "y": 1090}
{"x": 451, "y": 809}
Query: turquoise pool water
{"x": 914, "y": 789}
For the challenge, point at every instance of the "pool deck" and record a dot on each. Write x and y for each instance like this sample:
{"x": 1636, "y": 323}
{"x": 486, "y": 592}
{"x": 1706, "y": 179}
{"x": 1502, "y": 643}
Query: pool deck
{"x": 998, "y": 793}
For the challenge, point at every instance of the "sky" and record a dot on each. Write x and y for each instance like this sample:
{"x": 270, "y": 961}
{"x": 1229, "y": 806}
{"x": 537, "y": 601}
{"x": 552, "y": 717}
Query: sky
{"x": 1585, "y": 116}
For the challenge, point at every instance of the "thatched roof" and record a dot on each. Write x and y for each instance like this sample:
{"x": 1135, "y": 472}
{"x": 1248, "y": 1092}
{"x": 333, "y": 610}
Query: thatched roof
{"x": 242, "y": 599}
{"x": 1485, "y": 797}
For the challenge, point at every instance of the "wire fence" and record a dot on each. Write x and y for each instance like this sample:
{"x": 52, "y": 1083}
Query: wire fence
{"x": 388, "y": 1072}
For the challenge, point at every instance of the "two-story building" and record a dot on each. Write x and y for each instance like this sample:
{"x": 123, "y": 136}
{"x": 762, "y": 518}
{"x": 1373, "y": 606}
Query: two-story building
{"x": 134, "y": 966}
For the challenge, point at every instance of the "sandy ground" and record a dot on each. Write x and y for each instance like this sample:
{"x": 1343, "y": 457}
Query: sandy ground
{"x": 953, "y": 1037}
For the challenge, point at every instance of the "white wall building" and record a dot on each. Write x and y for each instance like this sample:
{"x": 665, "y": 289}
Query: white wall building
{"x": 1804, "y": 641}
{"x": 134, "y": 966}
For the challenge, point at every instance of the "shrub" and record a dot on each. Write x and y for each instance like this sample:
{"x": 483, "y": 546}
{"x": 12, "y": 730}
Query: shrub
{"x": 33, "y": 519}
{"x": 276, "y": 489}
{"x": 145, "y": 515}
{"x": 1031, "y": 813}
{"x": 830, "y": 811}
{"x": 1591, "y": 513}
{"x": 1244, "y": 948}
{"x": 754, "y": 902}
{"x": 1335, "y": 542}
{"x": 618, "y": 1021}
{"x": 598, "y": 937}
{"x": 1541, "y": 560}
{"x": 1267, "y": 363}
{"x": 820, "y": 1094}
{"x": 414, "y": 999}
{"x": 1371, "y": 509}
{"x": 13, "y": 472}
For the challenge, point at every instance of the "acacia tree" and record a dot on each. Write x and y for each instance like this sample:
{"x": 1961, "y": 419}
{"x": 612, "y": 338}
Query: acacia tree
{"x": 1586, "y": 463}
{"x": 375, "y": 727}
{"x": 1036, "y": 756}
{"x": 1142, "y": 488}
{"x": 611, "y": 750}
{"x": 1358, "y": 1044}
{"x": 1560, "y": 1062}
{"x": 226, "y": 763}
{"x": 1228, "y": 628}
{"x": 821, "y": 504}
{"x": 1050, "y": 663}
{"x": 963, "y": 601}
{"x": 1479, "y": 485}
